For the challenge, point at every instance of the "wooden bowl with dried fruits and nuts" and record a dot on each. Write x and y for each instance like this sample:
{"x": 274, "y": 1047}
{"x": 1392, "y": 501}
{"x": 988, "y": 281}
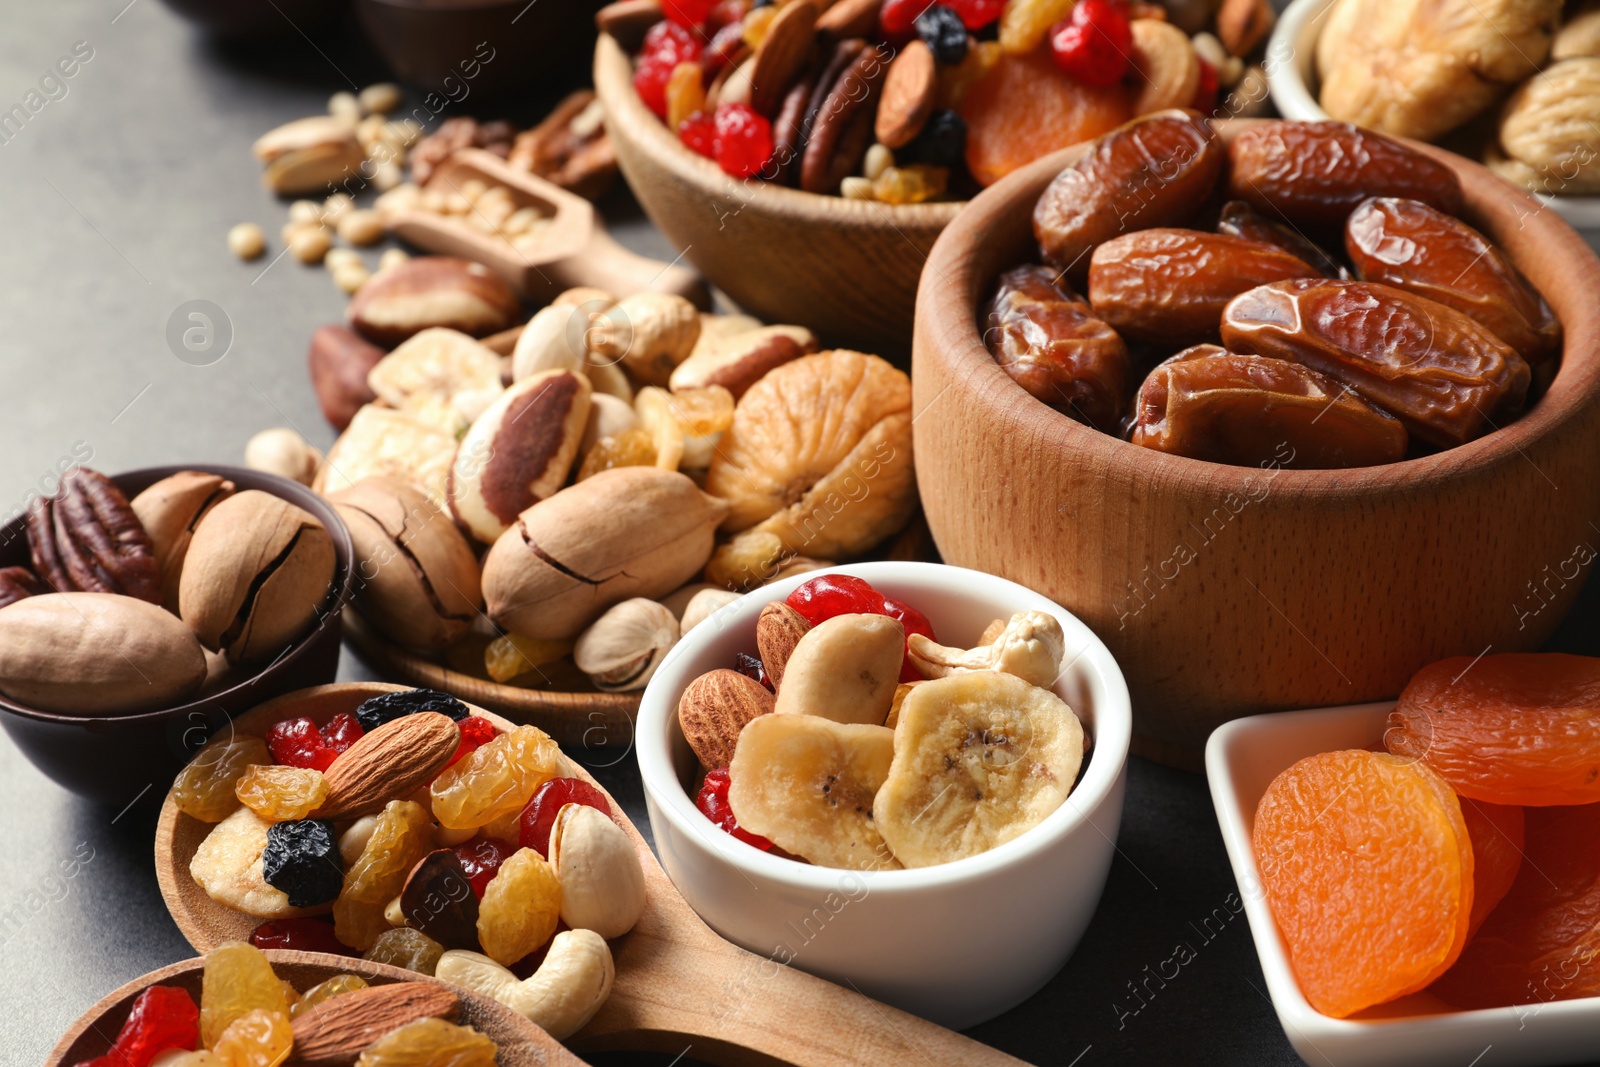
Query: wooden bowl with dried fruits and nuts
{"x": 1424, "y": 328}
{"x": 806, "y": 156}
{"x": 424, "y": 826}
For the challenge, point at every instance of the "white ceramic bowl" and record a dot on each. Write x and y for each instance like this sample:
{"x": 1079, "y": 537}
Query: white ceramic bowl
{"x": 1292, "y": 79}
{"x": 957, "y": 943}
{"x": 1242, "y": 759}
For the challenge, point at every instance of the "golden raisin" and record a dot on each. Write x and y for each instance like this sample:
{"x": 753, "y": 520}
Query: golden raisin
{"x": 511, "y": 655}
{"x": 1024, "y": 24}
{"x": 430, "y": 1043}
{"x": 910, "y": 185}
{"x": 333, "y": 987}
{"x": 255, "y": 1039}
{"x": 237, "y": 980}
{"x": 492, "y": 780}
{"x": 402, "y": 836}
{"x": 702, "y": 412}
{"x": 204, "y": 789}
{"x": 520, "y": 908}
{"x": 281, "y": 794}
{"x": 408, "y": 948}
{"x": 630, "y": 448}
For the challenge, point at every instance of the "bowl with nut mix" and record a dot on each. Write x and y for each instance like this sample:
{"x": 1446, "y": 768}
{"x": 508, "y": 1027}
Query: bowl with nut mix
{"x": 142, "y": 609}
{"x": 1275, "y": 523}
{"x": 851, "y": 826}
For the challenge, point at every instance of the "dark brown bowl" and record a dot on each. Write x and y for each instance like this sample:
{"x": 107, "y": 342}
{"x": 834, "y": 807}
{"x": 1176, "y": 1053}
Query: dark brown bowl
{"x": 117, "y": 759}
{"x": 467, "y": 48}
{"x": 254, "y": 20}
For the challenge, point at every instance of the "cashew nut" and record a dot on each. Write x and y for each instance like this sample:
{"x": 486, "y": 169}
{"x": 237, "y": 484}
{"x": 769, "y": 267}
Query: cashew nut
{"x": 1030, "y": 647}
{"x": 845, "y": 669}
{"x": 561, "y": 996}
{"x": 602, "y": 881}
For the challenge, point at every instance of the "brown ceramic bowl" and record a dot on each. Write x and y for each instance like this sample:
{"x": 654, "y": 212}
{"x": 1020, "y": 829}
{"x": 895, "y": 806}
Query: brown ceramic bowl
{"x": 116, "y": 759}
{"x": 504, "y": 44}
{"x": 847, "y": 269}
{"x": 1225, "y": 591}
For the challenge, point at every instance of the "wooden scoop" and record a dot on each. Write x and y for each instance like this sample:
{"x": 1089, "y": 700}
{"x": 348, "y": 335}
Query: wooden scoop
{"x": 573, "y": 250}
{"x": 680, "y": 987}
{"x": 521, "y": 1043}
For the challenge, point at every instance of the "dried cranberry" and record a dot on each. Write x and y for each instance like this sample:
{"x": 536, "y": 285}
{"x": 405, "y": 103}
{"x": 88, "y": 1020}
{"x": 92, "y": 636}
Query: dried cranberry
{"x": 481, "y": 859}
{"x": 1092, "y": 43}
{"x": 650, "y": 82}
{"x": 752, "y": 667}
{"x": 699, "y": 132}
{"x": 744, "y": 140}
{"x": 671, "y": 44}
{"x": 687, "y": 12}
{"x": 539, "y": 817}
{"x": 1205, "y": 94}
{"x": 977, "y": 13}
{"x": 302, "y": 935}
{"x": 897, "y": 19}
{"x": 298, "y": 743}
{"x": 725, "y": 14}
{"x": 342, "y": 731}
{"x": 713, "y": 804}
{"x": 162, "y": 1017}
{"x": 725, "y": 44}
{"x": 476, "y": 731}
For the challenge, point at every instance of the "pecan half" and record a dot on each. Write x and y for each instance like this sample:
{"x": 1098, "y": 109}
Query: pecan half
{"x": 87, "y": 539}
{"x": 18, "y": 583}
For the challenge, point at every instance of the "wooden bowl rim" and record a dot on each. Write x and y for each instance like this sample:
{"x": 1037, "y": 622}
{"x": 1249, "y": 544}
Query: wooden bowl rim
{"x": 947, "y": 328}
{"x": 627, "y": 115}
{"x": 383, "y": 972}
{"x": 330, "y": 611}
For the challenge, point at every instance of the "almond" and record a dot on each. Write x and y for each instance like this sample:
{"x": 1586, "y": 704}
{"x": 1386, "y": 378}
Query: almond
{"x": 715, "y": 707}
{"x": 778, "y": 630}
{"x": 341, "y": 1028}
{"x": 1241, "y": 24}
{"x": 391, "y": 762}
{"x": 784, "y": 51}
{"x": 848, "y": 18}
{"x": 908, "y": 94}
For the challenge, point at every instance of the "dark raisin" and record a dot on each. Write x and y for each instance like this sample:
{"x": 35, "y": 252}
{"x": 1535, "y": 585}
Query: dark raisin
{"x": 942, "y": 30}
{"x": 387, "y": 707}
{"x": 752, "y": 667}
{"x": 942, "y": 142}
{"x": 302, "y": 861}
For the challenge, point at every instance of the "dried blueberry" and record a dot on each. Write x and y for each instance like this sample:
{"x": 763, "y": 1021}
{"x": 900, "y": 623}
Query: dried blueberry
{"x": 302, "y": 861}
{"x": 387, "y": 707}
{"x": 942, "y": 30}
{"x": 941, "y": 143}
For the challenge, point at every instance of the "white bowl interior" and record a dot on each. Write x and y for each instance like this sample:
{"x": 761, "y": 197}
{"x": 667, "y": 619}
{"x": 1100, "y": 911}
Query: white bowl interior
{"x": 1242, "y": 759}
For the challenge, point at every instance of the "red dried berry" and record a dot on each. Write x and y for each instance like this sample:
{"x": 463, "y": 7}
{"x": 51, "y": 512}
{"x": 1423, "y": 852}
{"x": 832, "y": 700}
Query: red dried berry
{"x": 687, "y": 12}
{"x": 162, "y": 1017}
{"x": 976, "y": 14}
{"x": 298, "y": 743}
{"x": 650, "y": 81}
{"x": 1205, "y": 94}
{"x": 342, "y": 731}
{"x": 915, "y": 622}
{"x": 481, "y": 859}
{"x": 897, "y": 18}
{"x": 1092, "y": 43}
{"x": 752, "y": 667}
{"x": 725, "y": 14}
{"x": 713, "y": 804}
{"x": 302, "y": 935}
{"x": 476, "y": 731}
{"x": 744, "y": 140}
{"x": 539, "y": 817}
{"x": 699, "y": 132}
{"x": 828, "y": 595}
{"x": 671, "y": 43}
{"x": 727, "y": 43}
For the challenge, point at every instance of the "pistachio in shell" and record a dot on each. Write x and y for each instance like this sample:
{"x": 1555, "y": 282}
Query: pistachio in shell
{"x": 417, "y": 580}
{"x": 622, "y": 649}
{"x": 169, "y": 511}
{"x": 257, "y": 572}
{"x": 96, "y": 653}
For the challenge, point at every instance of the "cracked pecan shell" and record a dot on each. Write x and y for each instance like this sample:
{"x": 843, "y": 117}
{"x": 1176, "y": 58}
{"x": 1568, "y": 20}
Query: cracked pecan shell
{"x": 87, "y": 539}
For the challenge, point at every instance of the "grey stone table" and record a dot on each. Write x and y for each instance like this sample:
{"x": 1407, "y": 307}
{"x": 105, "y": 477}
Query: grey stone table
{"x": 116, "y": 194}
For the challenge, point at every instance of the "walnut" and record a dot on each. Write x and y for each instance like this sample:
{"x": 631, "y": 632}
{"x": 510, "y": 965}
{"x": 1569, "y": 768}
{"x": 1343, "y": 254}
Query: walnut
{"x": 1549, "y": 133}
{"x": 1420, "y": 68}
{"x": 817, "y": 463}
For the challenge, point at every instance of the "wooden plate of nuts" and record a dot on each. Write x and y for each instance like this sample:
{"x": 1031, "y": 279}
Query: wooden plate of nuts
{"x": 330, "y": 1030}
{"x": 654, "y": 978}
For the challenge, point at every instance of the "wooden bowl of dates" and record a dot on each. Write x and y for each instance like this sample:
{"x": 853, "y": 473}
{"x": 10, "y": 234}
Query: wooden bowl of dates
{"x": 519, "y": 1042}
{"x": 1230, "y": 590}
{"x": 117, "y": 758}
{"x": 847, "y": 269}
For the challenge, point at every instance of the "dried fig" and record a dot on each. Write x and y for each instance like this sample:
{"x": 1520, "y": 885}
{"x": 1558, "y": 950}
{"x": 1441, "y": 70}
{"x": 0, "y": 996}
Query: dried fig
{"x": 1548, "y": 130}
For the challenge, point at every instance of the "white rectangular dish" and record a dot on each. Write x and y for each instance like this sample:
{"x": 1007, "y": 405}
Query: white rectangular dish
{"x": 1242, "y": 759}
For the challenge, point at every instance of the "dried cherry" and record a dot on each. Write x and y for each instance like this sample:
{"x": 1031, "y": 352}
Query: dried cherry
{"x": 1093, "y": 43}
{"x": 342, "y": 731}
{"x": 481, "y": 858}
{"x": 303, "y": 935}
{"x": 539, "y": 817}
{"x": 828, "y": 595}
{"x": 298, "y": 743}
{"x": 162, "y": 1017}
{"x": 712, "y": 800}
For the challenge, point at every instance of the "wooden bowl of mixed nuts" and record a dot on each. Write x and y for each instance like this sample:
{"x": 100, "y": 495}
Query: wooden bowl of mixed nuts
{"x": 1243, "y": 582}
{"x": 140, "y": 609}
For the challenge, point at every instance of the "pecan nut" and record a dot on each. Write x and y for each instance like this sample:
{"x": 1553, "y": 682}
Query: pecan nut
{"x": 18, "y": 583}
{"x": 842, "y": 128}
{"x": 87, "y": 539}
{"x": 570, "y": 147}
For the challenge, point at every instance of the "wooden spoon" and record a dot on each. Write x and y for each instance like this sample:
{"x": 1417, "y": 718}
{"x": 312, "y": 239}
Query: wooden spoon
{"x": 521, "y": 1043}
{"x": 680, "y": 987}
{"x": 573, "y": 250}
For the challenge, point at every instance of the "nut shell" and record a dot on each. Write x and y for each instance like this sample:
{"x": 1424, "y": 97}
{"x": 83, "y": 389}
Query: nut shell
{"x": 96, "y": 653}
{"x": 339, "y": 360}
{"x": 602, "y": 880}
{"x": 169, "y": 511}
{"x": 433, "y": 291}
{"x": 649, "y": 333}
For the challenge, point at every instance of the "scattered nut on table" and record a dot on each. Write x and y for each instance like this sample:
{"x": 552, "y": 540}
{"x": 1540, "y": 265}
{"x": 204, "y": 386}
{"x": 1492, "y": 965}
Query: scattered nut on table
{"x": 284, "y": 452}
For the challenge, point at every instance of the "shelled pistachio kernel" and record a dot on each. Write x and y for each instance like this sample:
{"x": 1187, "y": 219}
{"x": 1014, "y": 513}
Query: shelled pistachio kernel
{"x": 246, "y": 240}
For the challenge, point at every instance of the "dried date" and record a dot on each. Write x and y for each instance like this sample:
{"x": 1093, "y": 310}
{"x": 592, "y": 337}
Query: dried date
{"x": 1207, "y": 403}
{"x": 1239, "y": 219}
{"x": 1153, "y": 171}
{"x": 1050, "y": 342}
{"x": 1445, "y": 377}
{"x": 1315, "y": 173}
{"x": 1168, "y": 286}
{"x": 1411, "y": 246}
{"x": 87, "y": 539}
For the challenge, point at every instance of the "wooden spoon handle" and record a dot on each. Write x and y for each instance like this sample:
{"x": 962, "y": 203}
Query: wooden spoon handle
{"x": 605, "y": 264}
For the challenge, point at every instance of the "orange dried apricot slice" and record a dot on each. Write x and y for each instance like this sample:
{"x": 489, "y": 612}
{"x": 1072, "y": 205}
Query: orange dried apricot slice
{"x": 1026, "y": 107}
{"x": 1496, "y": 831}
{"x": 1542, "y": 942}
{"x": 1367, "y": 866}
{"x": 1511, "y": 729}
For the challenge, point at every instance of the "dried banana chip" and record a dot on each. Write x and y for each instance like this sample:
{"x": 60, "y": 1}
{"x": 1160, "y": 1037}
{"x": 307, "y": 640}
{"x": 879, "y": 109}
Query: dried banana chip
{"x": 980, "y": 758}
{"x": 389, "y": 444}
{"x": 227, "y": 865}
{"x": 807, "y": 785}
{"x": 426, "y": 374}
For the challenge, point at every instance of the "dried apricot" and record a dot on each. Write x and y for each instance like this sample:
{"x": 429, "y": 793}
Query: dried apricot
{"x": 402, "y": 836}
{"x": 1519, "y": 728}
{"x": 281, "y": 794}
{"x": 1025, "y": 107}
{"x": 1496, "y": 831}
{"x": 1367, "y": 867}
{"x": 204, "y": 789}
{"x": 520, "y": 908}
{"x": 237, "y": 980}
{"x": 497, "y": 779}
{"x": 1542, "y": 942}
